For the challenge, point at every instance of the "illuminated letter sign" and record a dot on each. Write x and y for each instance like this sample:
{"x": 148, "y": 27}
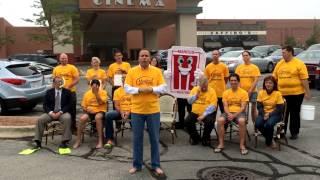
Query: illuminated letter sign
{"x": 97, "y": 2}
{"x": 145, "y": 3}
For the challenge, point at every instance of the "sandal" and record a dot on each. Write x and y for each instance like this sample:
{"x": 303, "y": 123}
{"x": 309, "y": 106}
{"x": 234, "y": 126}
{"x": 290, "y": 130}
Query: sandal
{"x": 108, "y": 146}
{"x": 158, "y": 172}
{"x": 244, "y": 151}
{"x": 218, "y": 150}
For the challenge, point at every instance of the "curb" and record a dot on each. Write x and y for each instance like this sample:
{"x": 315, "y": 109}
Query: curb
{"x": 16, "y": 131}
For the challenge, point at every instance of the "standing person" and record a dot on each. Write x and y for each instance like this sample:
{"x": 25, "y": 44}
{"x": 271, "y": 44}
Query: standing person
{"x": 204, "y": 103}
{"x": 70, "y": 76}
{"x": 235, "y": 102}
{"x": 94, "y": 104}
{"x": 95, "y": 72}
{"x": 270, "y": 107}
{"x": 249, "y": 77}
{"x": 56, "y": 106}
{"x": 217, "y": 74}
{"x": 292, "y": 76}
{"x": 118, "y": 67}
{"x": 145, "y": 83}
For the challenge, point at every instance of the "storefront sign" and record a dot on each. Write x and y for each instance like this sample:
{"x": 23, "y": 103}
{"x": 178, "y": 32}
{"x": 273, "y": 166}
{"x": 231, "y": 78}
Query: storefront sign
{"x": 232, "y": 33}
{"x": 142, "y": 3}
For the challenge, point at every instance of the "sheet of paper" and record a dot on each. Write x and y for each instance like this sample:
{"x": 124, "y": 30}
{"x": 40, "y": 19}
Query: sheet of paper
{"x": 117, "y": 80}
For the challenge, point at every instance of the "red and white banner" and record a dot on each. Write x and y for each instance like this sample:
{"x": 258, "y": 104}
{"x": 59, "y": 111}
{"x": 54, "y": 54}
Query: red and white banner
{"x": 182, "y": 62}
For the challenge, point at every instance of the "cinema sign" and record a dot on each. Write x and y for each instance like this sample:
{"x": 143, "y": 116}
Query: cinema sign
{"x": 128, "y": 4}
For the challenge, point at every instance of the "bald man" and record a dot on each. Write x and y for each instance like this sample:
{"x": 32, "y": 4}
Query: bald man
{"x": 70, "y": 75}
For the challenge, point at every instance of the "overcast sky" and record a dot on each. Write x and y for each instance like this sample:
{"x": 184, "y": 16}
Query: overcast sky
{"x": 14, "y": 10}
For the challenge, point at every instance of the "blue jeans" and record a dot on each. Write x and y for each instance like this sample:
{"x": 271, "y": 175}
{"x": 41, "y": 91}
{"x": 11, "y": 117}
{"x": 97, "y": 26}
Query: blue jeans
{"x": 153, "y": 125}
{"x": 266, "y": 126}
{"x": 108, "y": 123}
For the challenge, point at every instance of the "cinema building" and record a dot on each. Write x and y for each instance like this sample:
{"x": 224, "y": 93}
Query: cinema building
{"x": 130, "y": 25}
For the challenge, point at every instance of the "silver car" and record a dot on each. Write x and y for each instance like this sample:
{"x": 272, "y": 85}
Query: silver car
{"x": 234, "y": 58}
{"x": 21, "y": 85}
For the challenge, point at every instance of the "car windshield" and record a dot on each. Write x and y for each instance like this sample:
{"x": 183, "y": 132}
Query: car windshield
{"x": 277, "y": 52}
{"x": 232, "y": 54}
{"x": 314, "y": 47}
{"x": 309, "y": 56}
{"x": 260, "y": 48}
{"x": 22, "y": 69}
{"x": 50, "y": 60}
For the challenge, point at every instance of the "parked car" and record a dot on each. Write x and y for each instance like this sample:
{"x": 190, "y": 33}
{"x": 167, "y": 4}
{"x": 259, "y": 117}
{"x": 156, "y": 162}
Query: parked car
{"x": 162, "y": 57}
{"x": 314, "y": 47}
{"x": 227, "y": 49}
{"x": 234, "y": 58}
{"x": 21, "y": 85}
{"x": 312, "y": 60}
{"x": 40, "y": 58}
{"x": 46, "y": 71}
{"x": 266, "y": 50}
{"x": 276, "y": 56}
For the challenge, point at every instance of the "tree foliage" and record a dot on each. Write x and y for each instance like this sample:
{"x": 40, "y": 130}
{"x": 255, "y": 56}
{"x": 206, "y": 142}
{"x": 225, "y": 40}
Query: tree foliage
{"x": 5, "y": 39}
{"x": 61, "y": 21}
{"x": 290, "y": 41}
{"x": 315, "y": 35}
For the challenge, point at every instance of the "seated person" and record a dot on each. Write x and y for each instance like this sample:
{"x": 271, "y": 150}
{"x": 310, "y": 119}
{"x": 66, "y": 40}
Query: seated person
{"x": 122, "y": 102}
{"x": 56, "y": 106}
{"x": 204, "y": 102}
{"x": 270, "y": 107}
{"x": 94, "y": 104}
{"x": 235, "y": 101}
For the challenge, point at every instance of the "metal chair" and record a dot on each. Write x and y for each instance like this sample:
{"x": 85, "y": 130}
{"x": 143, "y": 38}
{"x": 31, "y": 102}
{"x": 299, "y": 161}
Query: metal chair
{"x": 168, "y": 111}
{"x": 122, "y": 128}
{"x": 52, "y": 128}
{"x": 280, "y": 131}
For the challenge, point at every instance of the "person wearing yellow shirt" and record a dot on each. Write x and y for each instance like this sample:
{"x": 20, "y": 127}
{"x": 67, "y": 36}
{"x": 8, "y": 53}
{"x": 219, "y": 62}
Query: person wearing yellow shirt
{"x": 235, "y": 101}
{"x": 122, "y": 102}
{"x": 70, "y": 75}
{"x": 270, "y": 107}
{"x": 249, "y": 77}
{"x": 292, "y": 76}
{"x": 204, "y": 103}
{"x": 217, "y": 74}
{"x": 94, "y": 104}
{"x": 96, "y": 72}
{"x": 118, "y": 67}
{"x": 145, "y": 83}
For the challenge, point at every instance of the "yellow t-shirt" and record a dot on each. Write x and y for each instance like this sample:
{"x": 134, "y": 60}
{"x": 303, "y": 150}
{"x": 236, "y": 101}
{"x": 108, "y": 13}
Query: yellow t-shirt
{"x": 114, "y": 67}
{"x": 289, "y": 75}
{"x": 90, "y": 101}
{"x": 68, "y": 73}
{"x": 123, "y": 98}
{"x": 99, "y": 74}
{"x": 204, "y": 100}
{"x": 216, "y": 74}
{"x": 137, "y": 77}
{"x": 235, "y": 99}
{"x": 269, "y": 101}
{"x": 247, "y": 75}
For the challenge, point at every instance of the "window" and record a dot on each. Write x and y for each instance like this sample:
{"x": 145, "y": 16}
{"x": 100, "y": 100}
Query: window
{"x": 22, "y": 69}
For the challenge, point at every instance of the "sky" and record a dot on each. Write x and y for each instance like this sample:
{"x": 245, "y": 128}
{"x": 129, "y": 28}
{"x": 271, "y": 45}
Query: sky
{"x": 14, "y": 10}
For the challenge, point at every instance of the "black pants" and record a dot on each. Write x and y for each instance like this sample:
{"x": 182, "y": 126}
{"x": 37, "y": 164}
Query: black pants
{"x": 73, "y": 110}
{"x": 114, "y": 88}
{"x": 208, "y": 126}
{"x": 182, "y": 104}
{"x": 293, "y": 109}
{"x": 220, "y": 104}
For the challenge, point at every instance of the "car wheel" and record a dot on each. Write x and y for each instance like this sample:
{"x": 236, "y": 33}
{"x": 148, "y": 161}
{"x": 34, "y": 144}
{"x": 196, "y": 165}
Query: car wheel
{"x": 3, "y": 108}
{"x": 270, "y": 67}
{"x": 28, "y": 107}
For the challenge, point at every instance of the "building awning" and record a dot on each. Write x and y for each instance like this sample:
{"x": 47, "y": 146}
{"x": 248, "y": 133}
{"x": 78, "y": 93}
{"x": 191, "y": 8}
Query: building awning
{"x": 212, "y": 44}
{"x": 251, "y": 43}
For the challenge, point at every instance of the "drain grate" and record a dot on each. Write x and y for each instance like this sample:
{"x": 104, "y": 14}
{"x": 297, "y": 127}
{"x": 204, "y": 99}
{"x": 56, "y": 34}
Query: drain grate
{"x": 225, "y": 173}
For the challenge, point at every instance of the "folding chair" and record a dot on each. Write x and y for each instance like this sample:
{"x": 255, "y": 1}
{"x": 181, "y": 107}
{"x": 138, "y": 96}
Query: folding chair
{"x": 233, "y": 124}
{"x": 52, "y": 128}
{"x": 168, "y": 111}
{"x": 280, "y": 131}
{"x": 123, "y": 127}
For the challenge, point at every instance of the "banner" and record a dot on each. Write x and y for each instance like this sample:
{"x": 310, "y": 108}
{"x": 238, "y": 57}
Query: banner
{"x": 182, "y": 62}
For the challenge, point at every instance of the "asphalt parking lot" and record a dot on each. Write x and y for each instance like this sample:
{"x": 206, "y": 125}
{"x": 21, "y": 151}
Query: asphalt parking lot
{"x": 300, "y": 159}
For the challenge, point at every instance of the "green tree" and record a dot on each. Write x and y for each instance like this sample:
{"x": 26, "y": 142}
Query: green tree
{"x": 63, "y": 29}
{"x": 315, "y": 36}
{"x": 290, "y": 41}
